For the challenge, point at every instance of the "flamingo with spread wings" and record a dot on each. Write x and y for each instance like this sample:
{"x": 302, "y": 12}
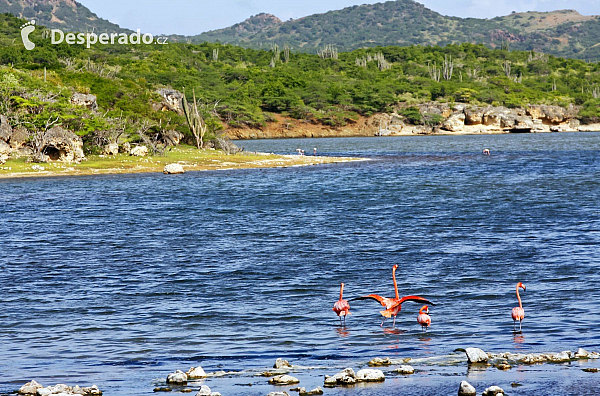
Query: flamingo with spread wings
{"x": 393, "y": 305}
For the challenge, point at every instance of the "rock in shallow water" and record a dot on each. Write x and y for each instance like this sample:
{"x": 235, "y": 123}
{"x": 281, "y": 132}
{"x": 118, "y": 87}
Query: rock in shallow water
{"x": 204, "y": 391}
{"x": 281, "y": 363}
{"x": 405, "y": 370}
{"x": 379, "y": 362}
{"x": 30, "y": 388}
{"x": 177, "y": 378}
{"x": 466, "y": 389}
{"x": 370, "y": 375}
{"x": 476, "y": 355}
{"x": 278, "y": 394}
{"x": 196, "y": 373}
{"x": 493, "y": 391}
{"x": 283, "y": 380}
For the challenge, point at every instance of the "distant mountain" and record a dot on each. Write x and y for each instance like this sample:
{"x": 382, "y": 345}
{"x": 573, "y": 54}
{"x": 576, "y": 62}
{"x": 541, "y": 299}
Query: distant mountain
{"x": 406, "y": 22}
{"x": 67, "y": 15}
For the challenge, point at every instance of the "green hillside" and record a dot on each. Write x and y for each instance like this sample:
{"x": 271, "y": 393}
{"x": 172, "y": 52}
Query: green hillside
{"x": 406, "y": 22}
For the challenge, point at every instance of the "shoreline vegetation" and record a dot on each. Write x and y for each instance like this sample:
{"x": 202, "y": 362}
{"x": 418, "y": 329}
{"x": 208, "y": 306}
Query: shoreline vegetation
{"x": 188, "y": 157}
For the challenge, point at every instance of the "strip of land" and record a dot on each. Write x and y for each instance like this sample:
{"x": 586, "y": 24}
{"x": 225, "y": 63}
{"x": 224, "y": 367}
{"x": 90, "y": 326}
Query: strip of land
{"x": 190, "y": 158}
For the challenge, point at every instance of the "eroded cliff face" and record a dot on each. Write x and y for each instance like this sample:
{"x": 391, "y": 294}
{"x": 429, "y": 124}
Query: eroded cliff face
{"x": 457, "y": 119}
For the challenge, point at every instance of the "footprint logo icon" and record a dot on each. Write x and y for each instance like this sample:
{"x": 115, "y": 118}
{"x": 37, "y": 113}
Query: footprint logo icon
{"x": 25, "y": 32}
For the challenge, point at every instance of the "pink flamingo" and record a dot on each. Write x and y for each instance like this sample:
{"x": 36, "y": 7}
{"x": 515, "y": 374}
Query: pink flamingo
{"x": 341, "y": 307}
{"x": 424, "y": 319}
{"x": 518, "y": 313}
{"x": 393, "y": 305}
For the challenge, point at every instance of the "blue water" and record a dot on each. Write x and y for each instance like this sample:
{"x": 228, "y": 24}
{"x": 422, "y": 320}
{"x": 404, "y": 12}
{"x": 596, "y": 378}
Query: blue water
{"x": 119, "y": 280}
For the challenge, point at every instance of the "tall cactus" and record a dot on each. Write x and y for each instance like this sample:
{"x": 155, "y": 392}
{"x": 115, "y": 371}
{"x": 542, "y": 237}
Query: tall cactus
{"x": 195, "y": 120}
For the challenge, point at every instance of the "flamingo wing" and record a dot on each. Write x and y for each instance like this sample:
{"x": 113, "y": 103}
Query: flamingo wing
{"x": 411, "y": 298}
{"x": 381, "y": 300}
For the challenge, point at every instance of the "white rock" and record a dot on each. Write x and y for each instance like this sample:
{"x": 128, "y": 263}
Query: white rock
{"x": 204, "y": 391}
{"x": 177, "y": 378}
{"x": 278, "y": 394}
{"x": 466, "y": 389}
{"x": 348, "y": 372}
{"x": 196, "y": 373}
{"x": 476, "y": 355}
{"x": 281, "y": 363}
{"x": 139, "y": 151}
{"x": 317, "y": 391}
{"x": 43, "y": 392}
{"x": 59, "y": 388}
{"x": 215, "y": 394}
{"x": 175, "y": 169}
{"x": 370, "y": 375}
{"x": 283, "y": 380}
{"x": 405, "y": 369}
{"x": 493, "y": 391}
{"x": 30, "y": 388}
{"x": 582, "y": 353}
{"x": 111, "y": 149}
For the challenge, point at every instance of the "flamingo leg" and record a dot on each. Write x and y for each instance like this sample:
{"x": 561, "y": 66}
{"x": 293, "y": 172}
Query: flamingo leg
{"x": 520, "y": 323}
{"x": 382, "y": 322}
{"x": 394, "y": 324}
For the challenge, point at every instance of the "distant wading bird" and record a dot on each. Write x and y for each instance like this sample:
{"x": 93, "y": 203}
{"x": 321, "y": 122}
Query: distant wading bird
{"x": 393, "y": 305}
{"x": 518, "y": 313}
{"x": 424, "y": 319}
{"x": 341, "y": 307}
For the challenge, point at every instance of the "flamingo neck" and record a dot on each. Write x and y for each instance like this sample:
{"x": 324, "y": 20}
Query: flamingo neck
{"x": 341, "y": 292}
{"x": 519, "y": 298}
{"x": 395, "y": 283}
{"x": 421, "y": 311}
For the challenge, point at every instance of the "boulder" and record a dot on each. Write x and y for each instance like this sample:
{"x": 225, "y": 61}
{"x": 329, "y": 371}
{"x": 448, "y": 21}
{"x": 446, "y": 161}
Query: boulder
{"x": 405, "y": 370}
{"x": 281, "y": 363}
{"x": 30, "y": 388}
{"x": 476, "y": 355}
{"x": 344, "y": 377}
{"x": 59, "y": 144}
{"x": 474, "y": 116}
{"x": 454, "y": 123}
{"x": 582, "y": 353}
{"x": 564, "y": 356}
{"x": 278, "y": 394}
{"x": 317, "y": 391}
{"x": 125, "y": 148}
{"x": 370, "y": 375}
{"x": 111, "y": 149}
{"x": 139, "y": 151}
{"x": 493, "y": 391}
{"x": 284, "y": 380}
{"x": 379, "y": 362}
{"x": 177, "y": 378}
{"x": 172, "y": 100}
{"x": 466, "y": 389}
{"x": 196, "y": 373}
{"x": 215, "y": 394}
{"x": 86, "y": 100}
{"x": 204, "y": 391}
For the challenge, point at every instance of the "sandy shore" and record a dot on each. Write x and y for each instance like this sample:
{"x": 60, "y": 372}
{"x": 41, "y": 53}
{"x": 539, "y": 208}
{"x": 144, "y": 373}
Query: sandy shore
{"x": 190, "y": 158}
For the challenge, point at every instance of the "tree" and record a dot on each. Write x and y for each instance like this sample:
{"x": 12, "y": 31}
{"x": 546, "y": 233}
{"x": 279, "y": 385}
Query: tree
{"x": 195, "y": 120}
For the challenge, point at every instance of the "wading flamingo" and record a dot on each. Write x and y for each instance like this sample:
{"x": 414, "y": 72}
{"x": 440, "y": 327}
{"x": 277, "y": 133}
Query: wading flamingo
{"x": 424, "y": 319}
{"x": 393, "y": 305}
{"x": 518, "y": 313}
{"x": 341, "y": 307}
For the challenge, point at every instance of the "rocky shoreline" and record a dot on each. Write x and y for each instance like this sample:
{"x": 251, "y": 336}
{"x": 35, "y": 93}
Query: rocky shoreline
{"x": 456, "y": 119}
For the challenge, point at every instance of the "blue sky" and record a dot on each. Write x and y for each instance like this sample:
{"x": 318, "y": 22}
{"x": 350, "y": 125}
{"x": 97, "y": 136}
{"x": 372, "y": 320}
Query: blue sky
{"x": 191, "y": 17}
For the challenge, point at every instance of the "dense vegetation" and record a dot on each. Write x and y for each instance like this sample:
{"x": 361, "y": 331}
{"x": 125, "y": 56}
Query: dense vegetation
{"x": 406, "y": 22}
{"x": 244, "y": 87}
